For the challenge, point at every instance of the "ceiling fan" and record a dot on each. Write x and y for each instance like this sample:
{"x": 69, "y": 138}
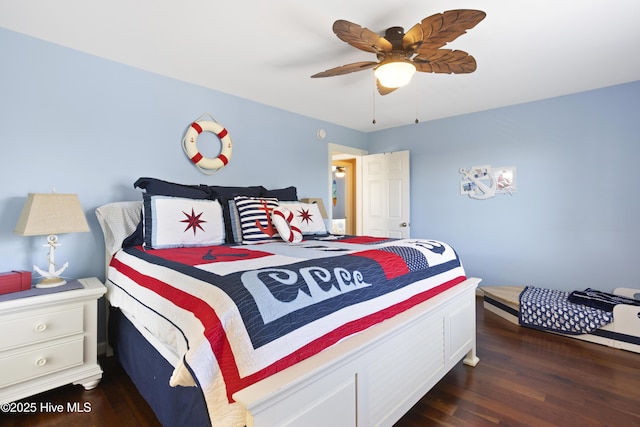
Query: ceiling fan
{"x": 402, "y": 54}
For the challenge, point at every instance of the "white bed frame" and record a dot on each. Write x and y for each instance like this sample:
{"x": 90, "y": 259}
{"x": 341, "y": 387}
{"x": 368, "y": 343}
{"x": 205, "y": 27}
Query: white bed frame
{"x": 375, "y": 377}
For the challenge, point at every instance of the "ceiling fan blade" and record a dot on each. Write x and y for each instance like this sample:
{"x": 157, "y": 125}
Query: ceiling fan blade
{"x": 383, "y": 90}
{"x": 360, "y": 37}
{"x": 445, "y": 61}
{"x": 412, "y": 38}
{"x": 441, "y": 28}
{"x": 346, "y": 69}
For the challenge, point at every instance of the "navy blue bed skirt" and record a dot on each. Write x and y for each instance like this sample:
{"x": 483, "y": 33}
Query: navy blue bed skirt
{"x": 150, "y": 372}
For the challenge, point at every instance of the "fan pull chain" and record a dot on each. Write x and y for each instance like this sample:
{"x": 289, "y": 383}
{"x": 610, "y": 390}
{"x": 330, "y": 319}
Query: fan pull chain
{"x": 373, "y": 99}
{"x": 417, "y": 121}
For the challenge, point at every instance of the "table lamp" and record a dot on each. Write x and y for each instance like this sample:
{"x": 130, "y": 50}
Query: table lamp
{"x": 48, "y": 215}
{"x": 317, "y": 201}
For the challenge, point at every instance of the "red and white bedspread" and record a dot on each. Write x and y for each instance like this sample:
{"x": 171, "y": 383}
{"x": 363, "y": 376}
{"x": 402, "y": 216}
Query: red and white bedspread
{"x": 234, "y": 315}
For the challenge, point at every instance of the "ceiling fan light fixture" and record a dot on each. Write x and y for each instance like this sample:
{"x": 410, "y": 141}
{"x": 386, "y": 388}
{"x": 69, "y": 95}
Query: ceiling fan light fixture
{"x": 394, "y": 74}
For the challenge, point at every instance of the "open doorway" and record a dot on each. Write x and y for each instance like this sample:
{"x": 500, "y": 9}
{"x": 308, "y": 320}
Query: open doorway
{"x": 344, "y": 189}
{"x": 343, "y": 197}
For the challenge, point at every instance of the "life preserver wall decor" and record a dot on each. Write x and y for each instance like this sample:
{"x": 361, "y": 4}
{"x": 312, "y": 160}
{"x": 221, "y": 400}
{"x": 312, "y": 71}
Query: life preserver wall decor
{"x": 207, "y": 165}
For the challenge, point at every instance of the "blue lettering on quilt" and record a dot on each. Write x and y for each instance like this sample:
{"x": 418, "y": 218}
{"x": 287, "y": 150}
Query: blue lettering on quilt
{"x": 278, "y": 292}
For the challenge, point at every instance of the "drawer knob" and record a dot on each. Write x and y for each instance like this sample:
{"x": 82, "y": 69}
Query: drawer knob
{"x": 40, "y": 327}
{"x": 41, "y": 362}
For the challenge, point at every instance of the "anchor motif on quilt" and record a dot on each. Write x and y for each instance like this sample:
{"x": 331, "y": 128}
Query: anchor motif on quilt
{"x": 434, "y": 247}
{"x": 269, "y": 230}
{"x": 209, "y": 256}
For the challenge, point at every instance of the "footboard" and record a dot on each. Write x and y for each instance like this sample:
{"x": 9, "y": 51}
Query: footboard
{"x": 375, "y": 377}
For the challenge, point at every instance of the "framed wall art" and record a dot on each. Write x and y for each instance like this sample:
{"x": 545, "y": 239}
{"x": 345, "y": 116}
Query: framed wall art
{"x": 483, "y": 182}
{"x": 505, "y": 179}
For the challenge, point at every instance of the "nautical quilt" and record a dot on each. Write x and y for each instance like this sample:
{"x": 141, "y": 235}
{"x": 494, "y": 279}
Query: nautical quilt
{"x": 249, "y": 311}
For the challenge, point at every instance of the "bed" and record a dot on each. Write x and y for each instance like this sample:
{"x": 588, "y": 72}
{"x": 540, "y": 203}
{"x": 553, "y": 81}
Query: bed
{"x": 244, "y": 328}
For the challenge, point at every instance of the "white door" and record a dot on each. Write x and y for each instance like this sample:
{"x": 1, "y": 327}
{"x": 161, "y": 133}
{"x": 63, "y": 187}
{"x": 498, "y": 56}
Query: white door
{"x": 385, "y": 195}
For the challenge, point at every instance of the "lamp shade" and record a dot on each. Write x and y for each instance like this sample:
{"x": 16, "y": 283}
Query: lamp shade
{"x": 51, "y": 213}
{"x": 320, "y": 204}
{"x": 394, "y": 74}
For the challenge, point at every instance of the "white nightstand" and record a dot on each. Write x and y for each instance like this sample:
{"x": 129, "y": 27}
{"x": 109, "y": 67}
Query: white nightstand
{"x": 49, "y": 339}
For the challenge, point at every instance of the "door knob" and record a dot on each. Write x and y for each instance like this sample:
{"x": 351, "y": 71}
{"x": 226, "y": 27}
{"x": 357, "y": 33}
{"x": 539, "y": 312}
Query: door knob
{"x": 404, "y": 224}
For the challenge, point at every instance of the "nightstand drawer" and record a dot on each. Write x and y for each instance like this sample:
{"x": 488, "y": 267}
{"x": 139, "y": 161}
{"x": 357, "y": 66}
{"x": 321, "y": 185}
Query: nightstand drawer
{"x": 41, "y": 360}
{"x": 38, "y": 326}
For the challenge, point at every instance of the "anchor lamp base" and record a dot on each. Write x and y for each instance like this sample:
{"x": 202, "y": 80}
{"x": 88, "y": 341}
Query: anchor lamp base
{"x": 50, "y": 282}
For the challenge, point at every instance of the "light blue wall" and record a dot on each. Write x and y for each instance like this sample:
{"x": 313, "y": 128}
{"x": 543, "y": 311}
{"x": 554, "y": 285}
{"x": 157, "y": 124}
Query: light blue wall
{"x": 90, "y": 126}
{"x": 571, "y": 224}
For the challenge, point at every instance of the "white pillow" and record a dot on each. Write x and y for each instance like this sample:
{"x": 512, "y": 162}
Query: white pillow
{"x": 118, "y": 220}
{"x": 287, "y": 225}
{"x": 308, "y": 214}
{"x": 174, "y": 222}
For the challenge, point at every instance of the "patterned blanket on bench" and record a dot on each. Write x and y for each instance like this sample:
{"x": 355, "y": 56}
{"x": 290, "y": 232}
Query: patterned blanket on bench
{"x": 550, "y": 309}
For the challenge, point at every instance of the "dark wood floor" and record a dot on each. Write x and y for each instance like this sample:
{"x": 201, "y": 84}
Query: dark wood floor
{"x": 524, "y": 378}
{"x": 532, "y": 378}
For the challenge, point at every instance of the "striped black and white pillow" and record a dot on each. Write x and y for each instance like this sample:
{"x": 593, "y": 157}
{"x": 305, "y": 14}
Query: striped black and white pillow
{"x": 255, "y": 219}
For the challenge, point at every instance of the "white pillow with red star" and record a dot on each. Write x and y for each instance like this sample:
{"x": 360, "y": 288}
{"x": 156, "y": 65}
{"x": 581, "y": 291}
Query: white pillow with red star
{"x": 174, "y": 222}
{"x": 309, "y": 217}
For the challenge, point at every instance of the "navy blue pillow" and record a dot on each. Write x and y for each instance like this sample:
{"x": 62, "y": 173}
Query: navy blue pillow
{"x": 289, "y": 194}
{"x": 165, "y": 188}
{"x": 224, "y": 194}
{"x": 136, "y": 238}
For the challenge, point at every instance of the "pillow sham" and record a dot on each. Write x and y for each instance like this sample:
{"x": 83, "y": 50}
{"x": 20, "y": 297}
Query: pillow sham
{"x": 166, "y": 188}
{"x": 224, "y": 194}
{"x": 255, "y": 219}
{"x": 311, "y": 221}
{"x": 118, "y": 220}
{"x": 227, "y": 193}
{"x": 173, "y": 222}
{"x": 287, "y": 225}
{"x": 289, "y": 194}
{"x": 236, "y": 227}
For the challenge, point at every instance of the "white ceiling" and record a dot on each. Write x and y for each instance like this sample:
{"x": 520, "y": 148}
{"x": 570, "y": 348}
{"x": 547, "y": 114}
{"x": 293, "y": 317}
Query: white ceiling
{"x": 265, "y": 50}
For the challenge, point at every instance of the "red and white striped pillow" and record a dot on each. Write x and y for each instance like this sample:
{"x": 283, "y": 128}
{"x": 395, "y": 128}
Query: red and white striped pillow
{"x": 287, "y": 224}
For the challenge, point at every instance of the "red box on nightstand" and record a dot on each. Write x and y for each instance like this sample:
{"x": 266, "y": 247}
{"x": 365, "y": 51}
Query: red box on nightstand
{"x": 14, "y": 281}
